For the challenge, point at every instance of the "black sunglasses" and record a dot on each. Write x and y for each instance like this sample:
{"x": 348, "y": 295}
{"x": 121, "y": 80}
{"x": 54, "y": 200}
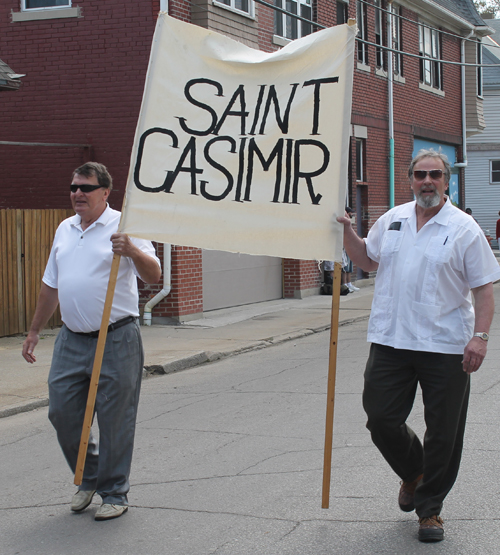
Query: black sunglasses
{"x": 422, "y": 174}
{"x": 84, "y": 188}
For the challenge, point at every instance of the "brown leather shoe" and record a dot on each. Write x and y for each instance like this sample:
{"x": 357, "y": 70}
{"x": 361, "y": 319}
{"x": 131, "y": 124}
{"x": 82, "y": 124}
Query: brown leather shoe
{"x": 407, "y": 494}
{"x": 431, "y": 529}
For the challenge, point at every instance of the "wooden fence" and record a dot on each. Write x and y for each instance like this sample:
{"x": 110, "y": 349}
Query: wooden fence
{"x": 25, "y": 241}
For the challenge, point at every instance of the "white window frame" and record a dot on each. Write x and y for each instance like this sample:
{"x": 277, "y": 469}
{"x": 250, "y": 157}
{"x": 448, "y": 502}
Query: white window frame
{"x": 496, "y": 171}
{"x": 342, "y": 10}
{"x": 362, "y": 48}
{"x": 397, "y": 59}
{"x": 431, "y": 68}
{"x": 360, "y": 160}
{"x": 479, "y": 69}
{"x": 232, "y": 6}
{"x": 380, "y": 60}
{"x": 25, "y": 8}
{"x": 289, "y": 27}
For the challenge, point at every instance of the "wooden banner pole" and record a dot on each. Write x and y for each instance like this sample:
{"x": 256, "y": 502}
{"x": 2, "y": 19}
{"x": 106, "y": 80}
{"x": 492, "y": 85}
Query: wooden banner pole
{"x": 96, "y": 371}
{"x": 332, "y": 372}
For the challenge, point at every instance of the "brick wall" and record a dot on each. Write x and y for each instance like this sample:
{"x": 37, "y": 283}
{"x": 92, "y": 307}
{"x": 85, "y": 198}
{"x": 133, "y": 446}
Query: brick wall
{"x": 186, "y": 296}
{"x": 300, "y": 277}
{"x": 83, "y": 85}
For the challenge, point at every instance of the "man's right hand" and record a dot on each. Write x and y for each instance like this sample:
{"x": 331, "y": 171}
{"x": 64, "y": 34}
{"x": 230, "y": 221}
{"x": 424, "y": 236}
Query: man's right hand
{"x": 345, "y": 220}
{"x": 29, "y": 345}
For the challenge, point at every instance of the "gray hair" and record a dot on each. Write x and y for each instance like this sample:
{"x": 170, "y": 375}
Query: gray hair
{"x": 431, "y": 153}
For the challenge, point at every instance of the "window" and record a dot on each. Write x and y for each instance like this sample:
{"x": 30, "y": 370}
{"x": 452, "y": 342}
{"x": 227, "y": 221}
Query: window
{"x": 360, "y": 160}
{"x": 362, "y": 33}
{"x": 244, "y": 6}
{"x": 430, "y": 66}
{"x": 37, "y": 4}
{"x": 379, "y": 33}
{"x": 342, "y": 15}
{"x": 397, "y": 59}
{"x": 495, "y": 171}
{"x": 479, "y": 69}
{"x": 291, "y": 27}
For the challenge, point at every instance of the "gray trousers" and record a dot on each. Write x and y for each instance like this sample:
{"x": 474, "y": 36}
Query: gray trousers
{"x": 107, "y": 467}
{"x": 391, "y": 379}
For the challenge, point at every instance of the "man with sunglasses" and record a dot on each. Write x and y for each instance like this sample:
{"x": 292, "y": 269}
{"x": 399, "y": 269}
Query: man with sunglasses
{"x": 423, "y": 329}
{"x": 76, "y": 278}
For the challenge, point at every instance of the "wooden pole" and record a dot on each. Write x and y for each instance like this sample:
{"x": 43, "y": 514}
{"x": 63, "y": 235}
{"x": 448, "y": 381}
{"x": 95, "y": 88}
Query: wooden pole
{"x": 332, "y": 372}
{"x": 96, "y": 371}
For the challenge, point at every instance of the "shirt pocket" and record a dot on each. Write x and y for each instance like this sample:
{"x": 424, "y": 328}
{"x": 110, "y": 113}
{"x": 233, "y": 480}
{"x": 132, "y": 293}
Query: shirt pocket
{"x": 438, "y": 251}
{"x": 425, "y": 320}
{"x": 391, "y": 242}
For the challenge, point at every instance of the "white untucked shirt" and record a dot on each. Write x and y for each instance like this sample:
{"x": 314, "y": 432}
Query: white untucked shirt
{"x": 79, "y": 266}
{"x": 422, "y": 298}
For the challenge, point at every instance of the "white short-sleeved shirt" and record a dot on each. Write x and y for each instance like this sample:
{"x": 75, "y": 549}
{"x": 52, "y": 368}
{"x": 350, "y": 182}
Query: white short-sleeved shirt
{"x": 422, "y": 298}
{"x": 79, "y": 266}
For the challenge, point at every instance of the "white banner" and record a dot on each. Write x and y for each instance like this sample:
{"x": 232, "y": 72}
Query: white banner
{"x": 242, "y": 150}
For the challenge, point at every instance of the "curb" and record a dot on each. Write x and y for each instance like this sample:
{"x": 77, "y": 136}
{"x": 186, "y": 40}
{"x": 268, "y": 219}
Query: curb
{"x": 25, "y": 407}
{"x": 197, "y": 359}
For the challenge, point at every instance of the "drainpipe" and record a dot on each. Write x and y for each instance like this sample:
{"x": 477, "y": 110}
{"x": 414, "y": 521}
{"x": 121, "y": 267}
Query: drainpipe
{"x": 390, "y": 107}
{"x": 463, "y": 164}
{"x": 167, "y": 285}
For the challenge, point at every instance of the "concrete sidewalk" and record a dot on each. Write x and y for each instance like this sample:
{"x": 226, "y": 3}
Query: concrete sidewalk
{"x": 170, "y": 348}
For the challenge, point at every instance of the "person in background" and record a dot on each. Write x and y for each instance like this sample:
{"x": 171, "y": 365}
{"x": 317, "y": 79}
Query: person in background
{"x": 498, "y": 231}
{"x": 347, "y": 263}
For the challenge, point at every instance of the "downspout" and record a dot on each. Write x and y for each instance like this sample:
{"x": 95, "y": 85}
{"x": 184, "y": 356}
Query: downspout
{"x": 463, "y": 164}
{"x": 164, "y": 6}
{"x": 167, "y": 284}
{"x": 390, "y": 107}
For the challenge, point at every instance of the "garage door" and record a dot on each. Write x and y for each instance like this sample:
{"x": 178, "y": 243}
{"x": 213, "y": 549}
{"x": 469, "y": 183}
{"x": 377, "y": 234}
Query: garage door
{"x": 235, "y": 279}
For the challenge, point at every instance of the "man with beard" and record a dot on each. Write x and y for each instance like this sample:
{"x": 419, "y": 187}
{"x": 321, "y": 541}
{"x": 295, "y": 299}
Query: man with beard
{"x": 424, "y": 330}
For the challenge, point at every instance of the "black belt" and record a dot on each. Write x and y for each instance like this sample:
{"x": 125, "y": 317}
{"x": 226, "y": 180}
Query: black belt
{"x": 111, "y": 327}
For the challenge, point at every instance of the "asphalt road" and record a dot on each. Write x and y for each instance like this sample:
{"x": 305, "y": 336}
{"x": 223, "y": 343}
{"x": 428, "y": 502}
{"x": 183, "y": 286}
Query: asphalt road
{"x": 229, "y": 459}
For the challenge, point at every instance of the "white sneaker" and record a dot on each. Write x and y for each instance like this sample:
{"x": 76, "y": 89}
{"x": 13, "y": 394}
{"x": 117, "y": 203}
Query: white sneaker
{"x": 81, "y": 500}
{"x": 352, "y": 287}
{"x": 108, "y": 511}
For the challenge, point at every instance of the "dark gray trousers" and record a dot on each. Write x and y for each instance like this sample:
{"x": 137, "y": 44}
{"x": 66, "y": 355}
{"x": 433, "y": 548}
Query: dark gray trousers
{"x": 107, "y": 466}
{"x": 391, "y": 378}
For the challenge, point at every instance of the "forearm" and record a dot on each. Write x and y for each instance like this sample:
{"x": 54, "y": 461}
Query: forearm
{"x": 48, "y": 300}
{"x": 484, "y": 307}
{"x": 356, "y": 250}
{"x": 146, "y": 266}
{"x": 475, "y": 350}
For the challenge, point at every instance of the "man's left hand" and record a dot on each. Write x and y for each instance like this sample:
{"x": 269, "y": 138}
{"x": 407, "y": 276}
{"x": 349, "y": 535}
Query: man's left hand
{"x": 474, "y": 354}
{"x": 122, "y": 245}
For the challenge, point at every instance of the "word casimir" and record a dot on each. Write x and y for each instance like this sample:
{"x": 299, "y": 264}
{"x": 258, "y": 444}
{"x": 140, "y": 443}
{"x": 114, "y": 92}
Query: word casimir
{"x": 291, "y": 160}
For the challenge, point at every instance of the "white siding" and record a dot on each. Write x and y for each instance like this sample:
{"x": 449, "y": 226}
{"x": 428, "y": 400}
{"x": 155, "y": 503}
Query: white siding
{"x": 481, "y": 196}
{"x": 492, "y": 116}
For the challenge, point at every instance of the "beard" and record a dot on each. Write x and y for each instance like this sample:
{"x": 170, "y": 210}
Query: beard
{"x": 428, "y": 201}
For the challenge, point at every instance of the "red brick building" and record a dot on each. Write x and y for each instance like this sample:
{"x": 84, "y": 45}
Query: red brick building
{"x": 85, "y": 66}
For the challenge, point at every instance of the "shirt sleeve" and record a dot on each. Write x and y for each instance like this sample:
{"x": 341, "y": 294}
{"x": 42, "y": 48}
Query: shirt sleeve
{"x": 51, "y": 274}
{"x": 481, "y": 265}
